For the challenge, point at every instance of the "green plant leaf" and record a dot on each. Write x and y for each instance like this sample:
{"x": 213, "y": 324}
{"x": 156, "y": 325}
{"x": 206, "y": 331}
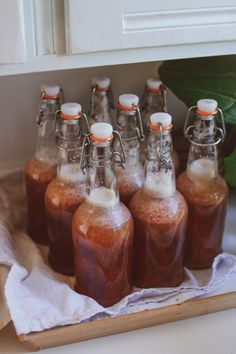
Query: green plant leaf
{"x": 211, "y": 77}
{"x": 230, "y": 169}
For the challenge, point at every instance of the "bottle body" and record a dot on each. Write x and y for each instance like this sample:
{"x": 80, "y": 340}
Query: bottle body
{"x": 38, "y": 175}
{"x": 103, "y": 247}
{"x": 62, "y": 198}
{"x": 159, "y": 228}
{"x": 207, "y": 202}
{"x": 131, "y": 178}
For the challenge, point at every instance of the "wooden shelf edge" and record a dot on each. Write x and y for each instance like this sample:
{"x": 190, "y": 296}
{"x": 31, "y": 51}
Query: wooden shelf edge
{"x": 100, "y": 328}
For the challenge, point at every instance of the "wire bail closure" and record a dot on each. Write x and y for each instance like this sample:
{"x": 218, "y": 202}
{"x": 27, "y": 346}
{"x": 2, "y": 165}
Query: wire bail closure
{"x": 139, "y": 130}
{"x": 161, "y": 90}
{"x": 95, "y": 89}
{"x": 87, "y": 142}
{"x": 59, "y": 138}
{"x": 39, "y": 117}
{"x": 187, "y": 129}
{"x": 121, "y": 155}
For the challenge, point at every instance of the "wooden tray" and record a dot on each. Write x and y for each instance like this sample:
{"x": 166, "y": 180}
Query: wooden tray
{"x": 100, "y": 328}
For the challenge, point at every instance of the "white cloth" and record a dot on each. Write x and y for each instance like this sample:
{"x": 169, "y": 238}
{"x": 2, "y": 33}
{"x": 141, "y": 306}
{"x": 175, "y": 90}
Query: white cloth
{"x": 38, "y": 298}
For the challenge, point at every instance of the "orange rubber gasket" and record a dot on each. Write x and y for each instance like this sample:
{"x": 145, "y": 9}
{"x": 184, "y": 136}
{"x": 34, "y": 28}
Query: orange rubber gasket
{"x": 45, "y": 97}
{"x": 159, "y": 128}
{"x": 202, "y": 113}
{"x": 67, "y": 117}
{"x": 125, "y": 108}
{"x": 101, "y": 140}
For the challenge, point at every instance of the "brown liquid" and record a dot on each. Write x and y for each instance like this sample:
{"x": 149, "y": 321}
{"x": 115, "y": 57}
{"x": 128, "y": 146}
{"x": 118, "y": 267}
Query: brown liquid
{"x": 176, "y": 161}
{"x": 128, "y": 185}
{"x": 38, "y": 175}
{"x": 61, "y": 201}
{"x": 207, "y": 209}
{"x": 159, "y": 229}
{"x": 129, "y": 181}
{"x": 103, "y": 248}
{"x": 182, "y": 149}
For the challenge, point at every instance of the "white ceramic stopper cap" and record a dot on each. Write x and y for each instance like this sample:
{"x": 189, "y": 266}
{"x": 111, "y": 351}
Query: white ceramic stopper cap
{"x": 207, "y": 105}
{"x": 71, "y": 109}
{"x": 128, "y": 100}
{"x": 153, "y": 84}
{"x": 101, "y": 130}
{"x": 51, "y": 90}
{"x": 164, "y": 118}
{"x": 101, "y": 81}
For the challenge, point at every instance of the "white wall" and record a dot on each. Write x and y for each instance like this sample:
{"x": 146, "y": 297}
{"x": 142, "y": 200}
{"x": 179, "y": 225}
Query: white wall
{"x": 19, "y": 100}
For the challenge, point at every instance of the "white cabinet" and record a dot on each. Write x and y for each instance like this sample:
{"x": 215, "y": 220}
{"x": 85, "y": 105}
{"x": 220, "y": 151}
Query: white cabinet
{"x": 12, "y": 32}
{"x": 62, "y": 34}
{"x": 113, "y": 25}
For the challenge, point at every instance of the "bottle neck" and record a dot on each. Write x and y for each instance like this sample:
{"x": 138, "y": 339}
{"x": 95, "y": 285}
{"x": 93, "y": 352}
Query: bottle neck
{"x": 101, "y": 101}
{"x": 69, "y": 141}
{"x": 159, "y": 171}
{"x": 153, "y": 101}
{"x": 102, "y": 186}
{"x": 202, "y": 163}
{"x": 127, "y": 127}
{"x": 45, "y": 149}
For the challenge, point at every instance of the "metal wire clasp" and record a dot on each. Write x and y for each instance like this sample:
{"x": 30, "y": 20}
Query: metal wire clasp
{"x": 188, "y": 128}
{"x": 87, "y": 142}
{"x": 109, "y": 93}
{"x": 122, "y": 158}
{"x": 139, "y": 131}
{"x": 84, "y": 157}
{"x": 39, "y": 118}
{"x": 163, "y": 94}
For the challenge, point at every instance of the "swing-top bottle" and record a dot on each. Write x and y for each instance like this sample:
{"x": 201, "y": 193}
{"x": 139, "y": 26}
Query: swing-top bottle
{"x": 203, "y": 188}
{"x": 67, "y": 191}
{"x": 102, "y": 227}
{"x": 159, "y": 213}
{"x": 41, "y": 169}
{"x": 129, "y": 125}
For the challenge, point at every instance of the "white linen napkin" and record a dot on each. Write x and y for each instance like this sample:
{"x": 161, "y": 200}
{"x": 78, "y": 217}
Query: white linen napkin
{"x": 38, "y": 298}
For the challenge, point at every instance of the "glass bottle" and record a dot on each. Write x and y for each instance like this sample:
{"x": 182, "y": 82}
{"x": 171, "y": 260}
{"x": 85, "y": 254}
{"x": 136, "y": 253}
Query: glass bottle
{"x": 101, "y": 104}
{"x": 201, "y": 119}
{"x": 102, "y": 228}
{"x": 154, "y": 100}
{"x": 129, "y": 125}
{"x": 159, "y": 213}
{"x": 204, "y": 190}
{"x": 67, "y": 191}
{"x": 41, "y": 169}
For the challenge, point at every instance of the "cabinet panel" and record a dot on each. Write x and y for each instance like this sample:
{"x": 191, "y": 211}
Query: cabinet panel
{"x": 12, "y": 37}
{"x": 111, "y": 25}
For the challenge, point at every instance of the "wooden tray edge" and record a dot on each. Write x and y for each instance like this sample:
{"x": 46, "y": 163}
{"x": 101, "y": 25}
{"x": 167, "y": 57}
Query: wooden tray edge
{"x": 95, "y": 329}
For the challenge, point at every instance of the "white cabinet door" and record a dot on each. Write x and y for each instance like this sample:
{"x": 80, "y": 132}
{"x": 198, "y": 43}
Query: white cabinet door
{"x": 12, "y": 35}
{"x": 125, "y": 24}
